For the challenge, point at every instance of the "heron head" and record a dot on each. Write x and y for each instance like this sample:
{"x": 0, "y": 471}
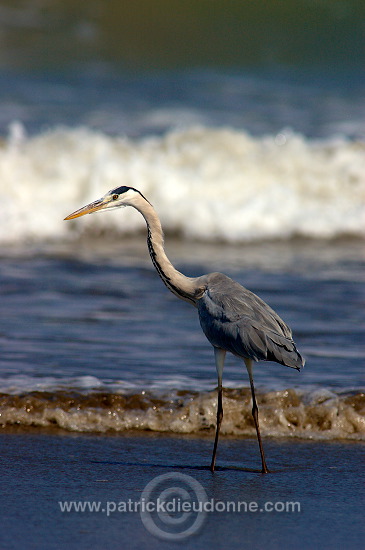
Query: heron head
{"x": 115, "y": 198}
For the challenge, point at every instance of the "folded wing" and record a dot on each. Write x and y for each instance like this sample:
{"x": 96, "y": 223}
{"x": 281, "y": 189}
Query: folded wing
{"x": 235, "y": 319}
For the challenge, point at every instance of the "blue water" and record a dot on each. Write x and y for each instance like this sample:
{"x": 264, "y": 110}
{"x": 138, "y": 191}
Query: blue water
{"x": 261, "y": 101}
{"x": 65, "y": 317}
{"x": 164, "y": 65}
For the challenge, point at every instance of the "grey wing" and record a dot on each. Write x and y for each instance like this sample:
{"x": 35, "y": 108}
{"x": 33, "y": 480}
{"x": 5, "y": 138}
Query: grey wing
{"x": 235, "y": 319}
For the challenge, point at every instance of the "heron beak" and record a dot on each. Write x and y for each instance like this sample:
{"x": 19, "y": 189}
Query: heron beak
{"x": 88, "y": 209}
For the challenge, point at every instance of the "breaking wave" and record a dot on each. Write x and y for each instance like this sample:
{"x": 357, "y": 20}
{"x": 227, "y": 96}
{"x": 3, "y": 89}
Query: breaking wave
{"x": 319, "y": 414}
{"x": 206, "y": 184}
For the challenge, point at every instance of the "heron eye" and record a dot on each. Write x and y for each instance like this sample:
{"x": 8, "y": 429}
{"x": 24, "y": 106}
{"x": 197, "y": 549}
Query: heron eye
{"x": 114, "y": 197}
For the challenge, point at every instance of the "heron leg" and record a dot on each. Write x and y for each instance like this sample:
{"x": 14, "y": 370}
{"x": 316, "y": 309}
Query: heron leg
{"x": 219, "y": 355}
{"x": 255, "y": 414}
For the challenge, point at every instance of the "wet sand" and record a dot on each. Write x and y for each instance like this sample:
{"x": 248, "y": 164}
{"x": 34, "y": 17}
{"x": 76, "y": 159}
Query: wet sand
{"x": 40, "y": 469}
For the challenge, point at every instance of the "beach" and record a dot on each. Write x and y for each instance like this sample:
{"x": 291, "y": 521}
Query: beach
{"x": 42, "y": 470}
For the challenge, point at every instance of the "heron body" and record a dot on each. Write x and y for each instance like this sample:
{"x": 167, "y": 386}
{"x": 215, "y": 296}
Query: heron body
{"x": 232, "y": 318}
{"x": 236, "y": 320}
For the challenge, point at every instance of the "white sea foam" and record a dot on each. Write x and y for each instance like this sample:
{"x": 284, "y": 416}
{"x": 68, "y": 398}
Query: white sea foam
{"x": 321, "y": 414}
{"x": 205, "y": 183}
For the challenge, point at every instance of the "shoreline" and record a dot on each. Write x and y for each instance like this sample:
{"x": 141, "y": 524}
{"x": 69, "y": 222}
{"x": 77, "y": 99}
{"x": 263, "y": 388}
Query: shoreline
{"x": 317, "y": 415}
{"x": 207, "y": 436}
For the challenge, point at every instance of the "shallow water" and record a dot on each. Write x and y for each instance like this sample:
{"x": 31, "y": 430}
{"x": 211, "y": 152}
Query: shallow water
{"x": 82, "y": 335}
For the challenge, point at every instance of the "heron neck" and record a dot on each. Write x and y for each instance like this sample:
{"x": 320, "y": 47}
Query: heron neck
{"x": 184, "y": 287}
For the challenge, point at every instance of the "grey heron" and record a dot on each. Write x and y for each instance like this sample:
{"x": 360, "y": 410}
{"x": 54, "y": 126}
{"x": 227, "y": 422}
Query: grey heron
{"x": 232, "y": 318}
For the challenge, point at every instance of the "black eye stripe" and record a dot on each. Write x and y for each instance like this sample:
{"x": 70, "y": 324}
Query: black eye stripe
{"x": 118, "y": 191}
{"x": 121, "y": 190}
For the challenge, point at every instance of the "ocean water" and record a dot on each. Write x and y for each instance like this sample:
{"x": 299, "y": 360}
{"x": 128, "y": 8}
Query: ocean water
{"x": 92, "y": 341}
{"x": 251, "y": 148}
